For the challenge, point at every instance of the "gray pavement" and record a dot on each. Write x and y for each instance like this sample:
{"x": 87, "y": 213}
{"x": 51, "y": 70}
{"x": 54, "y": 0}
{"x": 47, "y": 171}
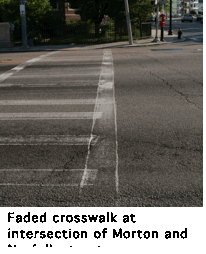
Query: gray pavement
{"x": 145, "y": 136}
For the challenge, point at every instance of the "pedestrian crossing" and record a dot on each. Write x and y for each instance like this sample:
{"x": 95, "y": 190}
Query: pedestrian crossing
{"x": 20, "y": 77}
{"x": 48, "y": 140}
{"x": 48, "y": 116}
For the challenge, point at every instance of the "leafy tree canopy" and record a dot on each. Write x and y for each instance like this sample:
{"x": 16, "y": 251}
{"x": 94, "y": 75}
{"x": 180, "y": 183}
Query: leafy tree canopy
{"x": 38, "y": 13}
{"x": 95, "y": 10}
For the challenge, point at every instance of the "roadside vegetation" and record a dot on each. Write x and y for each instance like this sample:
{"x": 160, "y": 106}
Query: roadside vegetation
{"x": 45, "y": 26}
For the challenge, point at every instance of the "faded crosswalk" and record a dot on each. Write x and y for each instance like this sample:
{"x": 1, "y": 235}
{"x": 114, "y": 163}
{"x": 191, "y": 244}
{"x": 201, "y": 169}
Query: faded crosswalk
{"x": 53, "y": 105}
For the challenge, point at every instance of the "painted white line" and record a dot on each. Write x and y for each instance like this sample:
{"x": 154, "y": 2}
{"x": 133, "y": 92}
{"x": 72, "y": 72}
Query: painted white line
{"x": 5, "y": 76}
{"x": 50, "y": 102}
{"x": 57, "y": 83}
{"x": 22, "y": 66}
{"x": 53, "y": 76}
{"x": 41, "y": 185}
{"x": 6, "y": 85}
{"x": 49, "y": 115}
{"x": 18, "y": 68}
{"x": 47, "y": 102}
{"x": 47, "y": 140}
{"x": 90, "y": 176}
{"x": 43, "y": 170}
{"x": 105, "y": 154}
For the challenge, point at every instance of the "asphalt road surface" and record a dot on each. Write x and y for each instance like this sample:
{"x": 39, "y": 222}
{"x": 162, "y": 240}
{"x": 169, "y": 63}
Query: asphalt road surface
{"x": 190, "y": 30}
{"x": 102, "y": 127}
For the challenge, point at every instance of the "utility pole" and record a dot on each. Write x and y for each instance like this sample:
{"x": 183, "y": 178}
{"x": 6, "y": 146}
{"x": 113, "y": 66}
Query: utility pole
{"x": 128, "y": 22}
{"x": 157, "y": 20}
{"x": 23, "y": 23}
{"x": 170, "y": 29}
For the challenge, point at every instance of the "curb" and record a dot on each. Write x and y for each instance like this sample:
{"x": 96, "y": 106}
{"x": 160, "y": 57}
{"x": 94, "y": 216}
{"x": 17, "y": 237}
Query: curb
{"x": 58, "y": 48}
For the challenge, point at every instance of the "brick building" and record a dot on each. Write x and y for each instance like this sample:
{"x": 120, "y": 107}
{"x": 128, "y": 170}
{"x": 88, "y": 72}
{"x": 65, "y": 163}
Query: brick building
{"x": 64, "y": 10}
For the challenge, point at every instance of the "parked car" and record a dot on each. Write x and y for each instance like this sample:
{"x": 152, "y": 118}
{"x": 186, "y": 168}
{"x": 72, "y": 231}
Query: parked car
{"x": 187, "y": 17}
{"x": 199, "y": 17}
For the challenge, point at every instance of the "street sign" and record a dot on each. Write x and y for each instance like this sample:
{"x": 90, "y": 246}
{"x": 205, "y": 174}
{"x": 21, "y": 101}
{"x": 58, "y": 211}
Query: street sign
{"x": 23, "y": 22}
{"x": 22, "y": 9}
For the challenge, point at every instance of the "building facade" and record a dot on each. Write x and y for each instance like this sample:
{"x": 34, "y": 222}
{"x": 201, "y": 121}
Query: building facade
{"x": 194, "y": 5}
{"x": 176, "y": 8}
{"x": 185, "y": 7}
{"x": 64, "y": 10}
{"x": 189, "y": 5}
{"x": 200, "y": 7}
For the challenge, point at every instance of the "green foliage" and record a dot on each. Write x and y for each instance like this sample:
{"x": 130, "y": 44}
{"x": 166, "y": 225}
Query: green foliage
{"x": 167, "y": 6}
{"x": 140, "y": 10}
{"x": 94, "y": 10}
{"x": 193, "y": 12}
{"x": 38, "y": 12}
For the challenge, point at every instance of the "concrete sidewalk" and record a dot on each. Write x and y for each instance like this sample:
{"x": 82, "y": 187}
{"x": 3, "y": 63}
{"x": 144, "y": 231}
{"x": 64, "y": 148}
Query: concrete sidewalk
{"x": 136, "y": 43}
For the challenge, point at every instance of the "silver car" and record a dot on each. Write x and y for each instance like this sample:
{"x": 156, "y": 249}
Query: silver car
{"x": 187, "y": 17}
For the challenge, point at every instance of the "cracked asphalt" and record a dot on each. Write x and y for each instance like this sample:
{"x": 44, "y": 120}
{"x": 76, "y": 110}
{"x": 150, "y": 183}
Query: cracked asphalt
{"x": 159, "y": 107}
{"x": 159, "y": 114}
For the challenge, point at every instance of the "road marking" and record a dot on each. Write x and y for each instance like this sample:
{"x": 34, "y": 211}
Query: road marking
{"x": 47, "y": 140}
{"x": 42, "y": 185}
{"x": 18, "y": 68}
{"x": 48, "y": 102}
{"x": 90, "y": 177}
{"x": 49, "y": 115}
{"x": 43, "y": 170}
{"x": 22, "y": 66}
{"x": 105, "y": 154}
{"x": 5, "y": 76}
{"x": 55, "y": 83}
{"x": 53, "y": 76}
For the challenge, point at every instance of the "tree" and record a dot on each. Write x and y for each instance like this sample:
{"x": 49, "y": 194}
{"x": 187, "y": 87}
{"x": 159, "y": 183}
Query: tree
{"x": 140, "y": 10}
{"x": 193, "y": 12}
{"x": 94, "y": 10}
{"x": 38, "y": 12}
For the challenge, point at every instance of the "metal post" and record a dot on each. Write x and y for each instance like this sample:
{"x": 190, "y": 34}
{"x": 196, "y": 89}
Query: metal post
{"x": 162, "y": 33}
{"x": 128, "y": 22}
{"x": 162, "y": 28}
{"x": 140, "y": 28}
{"x": 157, "y": 20}
{"x": 170, "y": 29}
{"x": 23, "y": 23}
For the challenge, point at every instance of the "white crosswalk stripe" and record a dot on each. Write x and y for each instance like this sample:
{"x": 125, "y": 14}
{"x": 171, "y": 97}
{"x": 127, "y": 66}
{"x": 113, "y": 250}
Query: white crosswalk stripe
{"x": 47, "y": 140}
{"x": 49, "y": 115}
{"x": 103, "y": 105}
